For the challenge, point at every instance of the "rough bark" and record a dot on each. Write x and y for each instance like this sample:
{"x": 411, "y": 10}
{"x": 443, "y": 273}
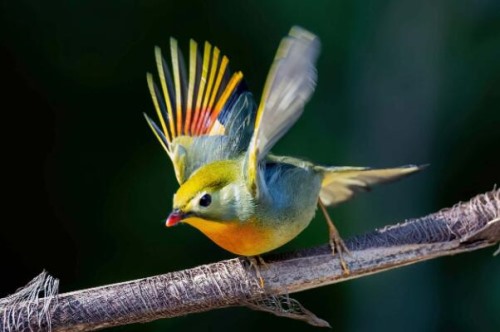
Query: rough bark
{"x": 465, "y": 227}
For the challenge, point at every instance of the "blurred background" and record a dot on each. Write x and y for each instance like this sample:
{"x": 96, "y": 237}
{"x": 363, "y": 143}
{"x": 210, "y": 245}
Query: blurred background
{"x": 399, "y": 82}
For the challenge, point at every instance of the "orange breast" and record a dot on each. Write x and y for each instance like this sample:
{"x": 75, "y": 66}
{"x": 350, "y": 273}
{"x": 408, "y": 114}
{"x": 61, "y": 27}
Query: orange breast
{"x": 242, "y": 238}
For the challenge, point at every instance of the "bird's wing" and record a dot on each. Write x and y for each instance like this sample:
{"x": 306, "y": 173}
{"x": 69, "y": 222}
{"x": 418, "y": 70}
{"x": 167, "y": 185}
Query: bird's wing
{"x": 342, "y": 183}
{"x": 205, "y": 113}
{"x": 289, "y": 85}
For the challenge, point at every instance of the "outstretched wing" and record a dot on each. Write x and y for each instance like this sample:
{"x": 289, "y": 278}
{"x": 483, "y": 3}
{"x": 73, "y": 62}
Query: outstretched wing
{"x": 203, "y": 111}
{"x": 289, "y": 85}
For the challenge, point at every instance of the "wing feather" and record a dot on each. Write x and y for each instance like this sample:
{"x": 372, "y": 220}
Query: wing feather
{"x": 156, "y": 97}
{"x": 289, "y": 85}
{"x": 166, "y": 85}
{"x": 191, "y": 103}
{"x": 193, "y": 62}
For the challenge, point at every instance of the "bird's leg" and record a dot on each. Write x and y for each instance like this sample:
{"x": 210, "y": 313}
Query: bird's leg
{"x": 255, "y": 261}
{"x": 336, "y": 242}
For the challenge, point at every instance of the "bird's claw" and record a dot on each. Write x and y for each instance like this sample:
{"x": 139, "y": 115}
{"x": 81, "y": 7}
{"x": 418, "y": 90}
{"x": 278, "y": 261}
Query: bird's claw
{"x": 255, "y": 261}
{"x": 338, "y": 247}
{"x": 336, "y": 243}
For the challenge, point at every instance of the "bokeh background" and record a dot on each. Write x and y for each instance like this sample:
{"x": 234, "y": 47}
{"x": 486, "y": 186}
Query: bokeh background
{"x": 86, "y": 187}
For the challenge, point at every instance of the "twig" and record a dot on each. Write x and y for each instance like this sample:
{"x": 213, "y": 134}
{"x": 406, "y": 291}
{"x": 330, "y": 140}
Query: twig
{"x": 463, "y": 228}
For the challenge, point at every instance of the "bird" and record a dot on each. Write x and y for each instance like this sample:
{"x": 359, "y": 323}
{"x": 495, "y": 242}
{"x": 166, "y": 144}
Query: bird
{"x": 232, "y": 188}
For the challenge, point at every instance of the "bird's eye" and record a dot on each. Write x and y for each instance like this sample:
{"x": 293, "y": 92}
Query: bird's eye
{"x": 205, "y": 200}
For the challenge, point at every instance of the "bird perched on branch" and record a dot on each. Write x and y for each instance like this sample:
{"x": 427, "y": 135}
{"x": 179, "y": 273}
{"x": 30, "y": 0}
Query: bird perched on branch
{"x": 232, "y": 189}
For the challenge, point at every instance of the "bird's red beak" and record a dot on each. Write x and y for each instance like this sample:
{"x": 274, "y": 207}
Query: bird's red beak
{"x": 174, "y": 218}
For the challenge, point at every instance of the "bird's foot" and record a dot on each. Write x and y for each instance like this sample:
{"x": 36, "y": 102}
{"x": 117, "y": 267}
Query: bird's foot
{"x": 336, "y": 243}
{"x": 338, "y": 247}
{"x": 255, "y": 261}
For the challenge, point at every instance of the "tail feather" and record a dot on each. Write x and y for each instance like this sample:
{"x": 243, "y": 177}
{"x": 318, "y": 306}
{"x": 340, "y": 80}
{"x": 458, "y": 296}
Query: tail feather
{"x": 342, "y": 183}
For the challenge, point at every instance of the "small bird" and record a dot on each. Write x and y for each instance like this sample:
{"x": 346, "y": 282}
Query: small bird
{"x": 232, "y": 189}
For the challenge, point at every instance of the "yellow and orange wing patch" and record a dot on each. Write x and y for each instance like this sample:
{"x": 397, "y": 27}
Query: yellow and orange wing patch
{"x": 190, "y": 102}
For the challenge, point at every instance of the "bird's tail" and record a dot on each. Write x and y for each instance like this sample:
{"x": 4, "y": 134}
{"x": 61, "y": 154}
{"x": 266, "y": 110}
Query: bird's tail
{"x": 342, "y": 183}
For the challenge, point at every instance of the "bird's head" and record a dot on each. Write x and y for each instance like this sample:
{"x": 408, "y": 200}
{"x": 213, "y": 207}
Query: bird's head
{"x": 213, "y": 193}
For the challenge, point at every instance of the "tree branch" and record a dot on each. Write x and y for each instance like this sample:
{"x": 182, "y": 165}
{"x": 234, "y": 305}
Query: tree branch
{"x": 465, "y": 227}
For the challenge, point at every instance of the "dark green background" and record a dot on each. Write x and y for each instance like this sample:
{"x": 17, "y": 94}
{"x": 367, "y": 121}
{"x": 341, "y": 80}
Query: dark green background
{"x": 86, "y": 186}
